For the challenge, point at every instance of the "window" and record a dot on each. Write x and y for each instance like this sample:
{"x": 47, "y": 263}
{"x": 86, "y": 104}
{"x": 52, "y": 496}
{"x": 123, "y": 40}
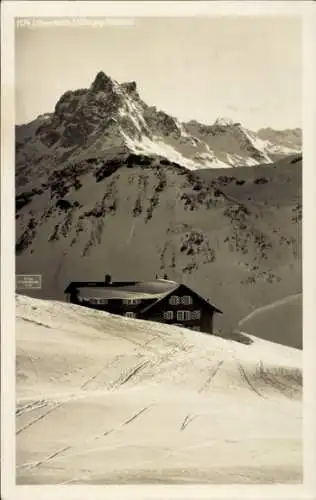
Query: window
{"x": 97, "y": 300}
{"x": 196, "y": 314}
{"x": 174, "y": 300}
{"x": 183, "y": 315}
{"x": 180, "y": 315}
{"x": 186, "y": 300}
{"x": 168, "y": 315}
{"x": 131, "y": 301}
{"x": 130, "y": 314}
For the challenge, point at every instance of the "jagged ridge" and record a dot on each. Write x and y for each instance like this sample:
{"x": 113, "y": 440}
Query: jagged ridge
{"x": 110, "y": 117}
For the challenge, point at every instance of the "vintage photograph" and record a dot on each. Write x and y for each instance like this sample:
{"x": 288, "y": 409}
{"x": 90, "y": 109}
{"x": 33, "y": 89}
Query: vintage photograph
{"x": 158, "y": 212}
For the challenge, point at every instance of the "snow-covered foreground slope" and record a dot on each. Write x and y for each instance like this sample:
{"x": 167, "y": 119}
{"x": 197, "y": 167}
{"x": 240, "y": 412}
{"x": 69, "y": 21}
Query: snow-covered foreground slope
{"x": 103, "y": 399}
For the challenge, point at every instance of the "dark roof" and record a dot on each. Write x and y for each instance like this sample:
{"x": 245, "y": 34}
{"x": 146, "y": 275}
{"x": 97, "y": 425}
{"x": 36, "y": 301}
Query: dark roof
{"x": 96, "y": 284}
{"x": 118, "y": 293}
{"x": 157, "y": 289}
{"x": 127, "y": 289}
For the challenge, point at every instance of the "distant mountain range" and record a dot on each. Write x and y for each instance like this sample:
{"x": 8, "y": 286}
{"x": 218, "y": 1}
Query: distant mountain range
{"x": 106, "y": 183}
{"x": 111, "y": 118}
{"x": 282, "y": 142}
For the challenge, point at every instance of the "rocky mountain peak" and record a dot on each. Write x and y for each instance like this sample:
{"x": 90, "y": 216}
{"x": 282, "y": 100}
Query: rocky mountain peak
{"x": 129, "y": 87}
{"x": 102, "y": 83}
{"x": 225, "y": 122}
{"x": 91, "y": 121}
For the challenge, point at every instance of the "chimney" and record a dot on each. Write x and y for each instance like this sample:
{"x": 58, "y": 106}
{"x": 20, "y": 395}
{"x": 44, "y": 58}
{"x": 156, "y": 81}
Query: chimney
{"x": 107, "y": 279}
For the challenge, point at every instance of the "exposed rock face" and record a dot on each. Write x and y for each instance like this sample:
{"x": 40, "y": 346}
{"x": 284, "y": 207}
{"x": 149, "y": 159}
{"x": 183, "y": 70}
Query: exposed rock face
{"x": 93, "y": 121}
{"x": 130, "y": 87}
{"x": 102, "y": 83}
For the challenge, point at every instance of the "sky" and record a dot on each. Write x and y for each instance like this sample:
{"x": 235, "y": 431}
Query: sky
{"x": 248, "y": 69}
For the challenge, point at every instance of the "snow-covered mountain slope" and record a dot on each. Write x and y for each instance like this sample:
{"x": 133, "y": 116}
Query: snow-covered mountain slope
{"x": 231, "y": 142}
{"x": 110, "y": 118}
{"x": 103, "y": 399}
{"x": 281, "y": 142}
{"x": 234, "y": 239}
{"x": 237, "y": 146}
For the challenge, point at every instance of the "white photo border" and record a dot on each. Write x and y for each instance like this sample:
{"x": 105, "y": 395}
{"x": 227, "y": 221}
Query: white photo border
{"x": 128, "y": 10}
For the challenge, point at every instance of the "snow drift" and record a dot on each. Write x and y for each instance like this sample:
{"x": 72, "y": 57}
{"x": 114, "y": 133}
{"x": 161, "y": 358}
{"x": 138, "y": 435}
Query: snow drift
{"x": 104, "y": 399}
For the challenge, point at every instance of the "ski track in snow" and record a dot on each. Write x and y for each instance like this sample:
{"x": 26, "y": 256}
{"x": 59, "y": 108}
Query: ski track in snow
{"x": 150, "y": 395}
